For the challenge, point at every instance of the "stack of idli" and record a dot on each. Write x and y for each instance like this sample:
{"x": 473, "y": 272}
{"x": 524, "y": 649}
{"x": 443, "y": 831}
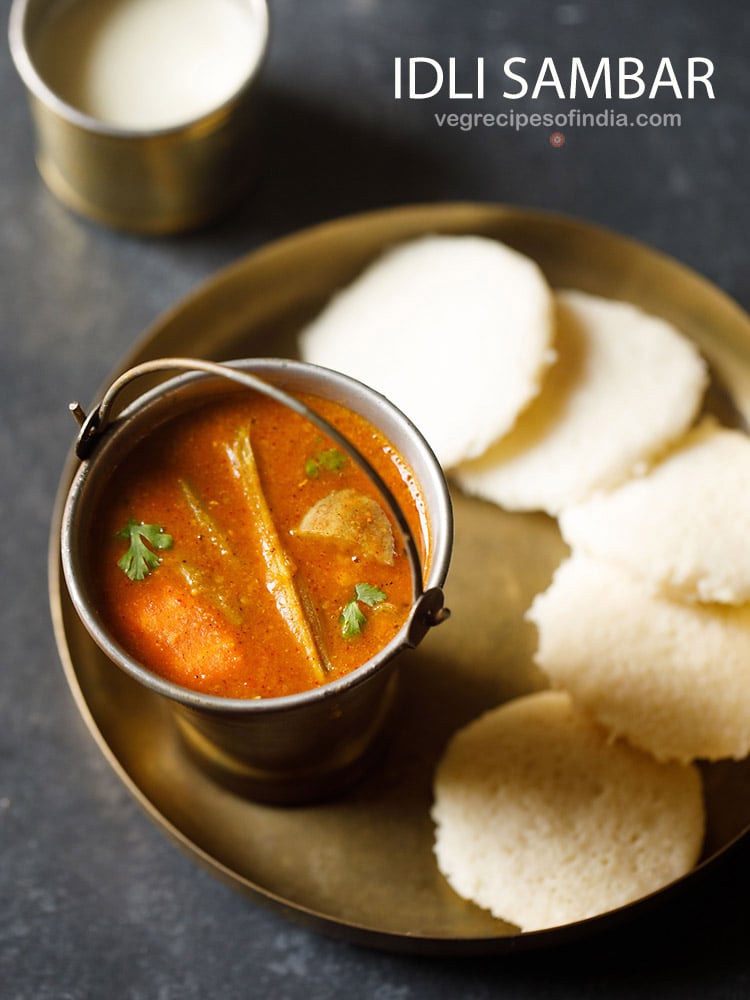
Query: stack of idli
{"x": 530, "y": 398}
{"x": 647, "y": 624}
{"x": 624, "y": 386}
{"x": 567, "y": 803}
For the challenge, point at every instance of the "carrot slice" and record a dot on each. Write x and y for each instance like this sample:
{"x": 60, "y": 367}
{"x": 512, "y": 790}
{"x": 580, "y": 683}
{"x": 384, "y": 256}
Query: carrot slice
{"x": 177, "y": 629}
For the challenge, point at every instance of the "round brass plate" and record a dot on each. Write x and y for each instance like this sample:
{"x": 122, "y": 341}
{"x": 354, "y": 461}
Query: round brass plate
{"x": 361, "y": 866}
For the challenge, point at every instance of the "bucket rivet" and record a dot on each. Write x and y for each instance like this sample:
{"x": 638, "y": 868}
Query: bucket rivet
{"x": 78, "y": 412}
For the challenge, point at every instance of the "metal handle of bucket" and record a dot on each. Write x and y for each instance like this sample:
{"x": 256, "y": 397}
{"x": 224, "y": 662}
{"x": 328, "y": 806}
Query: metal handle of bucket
{"x": 427, "y": 605}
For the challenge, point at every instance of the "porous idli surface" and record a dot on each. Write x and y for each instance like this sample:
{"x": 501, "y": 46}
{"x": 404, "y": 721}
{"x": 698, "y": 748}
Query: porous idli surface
{"x": 671, "y": 677}
{"x": 625, "y": 386}
{"x": 684, "y": 526}
{"x": 543, "y": 820}
{"x": 457, "y": 331}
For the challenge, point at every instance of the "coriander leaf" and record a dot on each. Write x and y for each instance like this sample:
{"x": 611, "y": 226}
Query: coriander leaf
{"x": 369, "y": 594}
{"x": 140, "y": 560}
{"x": 352, "y": 620}
{"x": 352, "y": 617}
{"x": 330, "y": 460}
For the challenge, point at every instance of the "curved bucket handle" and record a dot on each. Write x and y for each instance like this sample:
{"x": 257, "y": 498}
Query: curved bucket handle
{"x": 427, "y": 605}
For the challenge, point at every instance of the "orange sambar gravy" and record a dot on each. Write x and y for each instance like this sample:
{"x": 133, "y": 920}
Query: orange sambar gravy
{"x": 214, "y": 615}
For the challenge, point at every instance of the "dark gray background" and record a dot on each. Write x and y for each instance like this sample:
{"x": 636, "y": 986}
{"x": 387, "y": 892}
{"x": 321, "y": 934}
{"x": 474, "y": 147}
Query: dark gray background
{"x": 93, "y": 899}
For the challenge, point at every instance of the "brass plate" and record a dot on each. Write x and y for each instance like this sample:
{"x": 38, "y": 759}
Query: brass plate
{"x": 361, "y": 867}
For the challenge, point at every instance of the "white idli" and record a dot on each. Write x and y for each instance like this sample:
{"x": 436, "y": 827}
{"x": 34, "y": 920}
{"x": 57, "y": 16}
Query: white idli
{"x": 671, "y": 677}
{"x": 624, "y": 387}
{"x": 543, "y": 820}
{"x": 685, "y": 526}
{"x": 455, "y": 330}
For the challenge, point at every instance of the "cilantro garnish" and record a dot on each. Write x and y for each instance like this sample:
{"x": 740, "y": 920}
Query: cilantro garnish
{"x": 352, "y": 617}
{"x": 140, "y": 560}
{"x": 352, "y": 620}
{"x": 330, "y": 460}
{"x": 369, "y": 594}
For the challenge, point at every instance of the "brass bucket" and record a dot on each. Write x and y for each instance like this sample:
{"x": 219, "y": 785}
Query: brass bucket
{"x": 298, "y": 747}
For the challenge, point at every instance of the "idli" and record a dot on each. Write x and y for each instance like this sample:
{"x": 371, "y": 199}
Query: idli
{"x": 671, "y": 677}
{"x": 457, "y": 331}
{"x": 625, "y": 386}
{"x": 684, "y": 526}
{"x": 543, "y": 820}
